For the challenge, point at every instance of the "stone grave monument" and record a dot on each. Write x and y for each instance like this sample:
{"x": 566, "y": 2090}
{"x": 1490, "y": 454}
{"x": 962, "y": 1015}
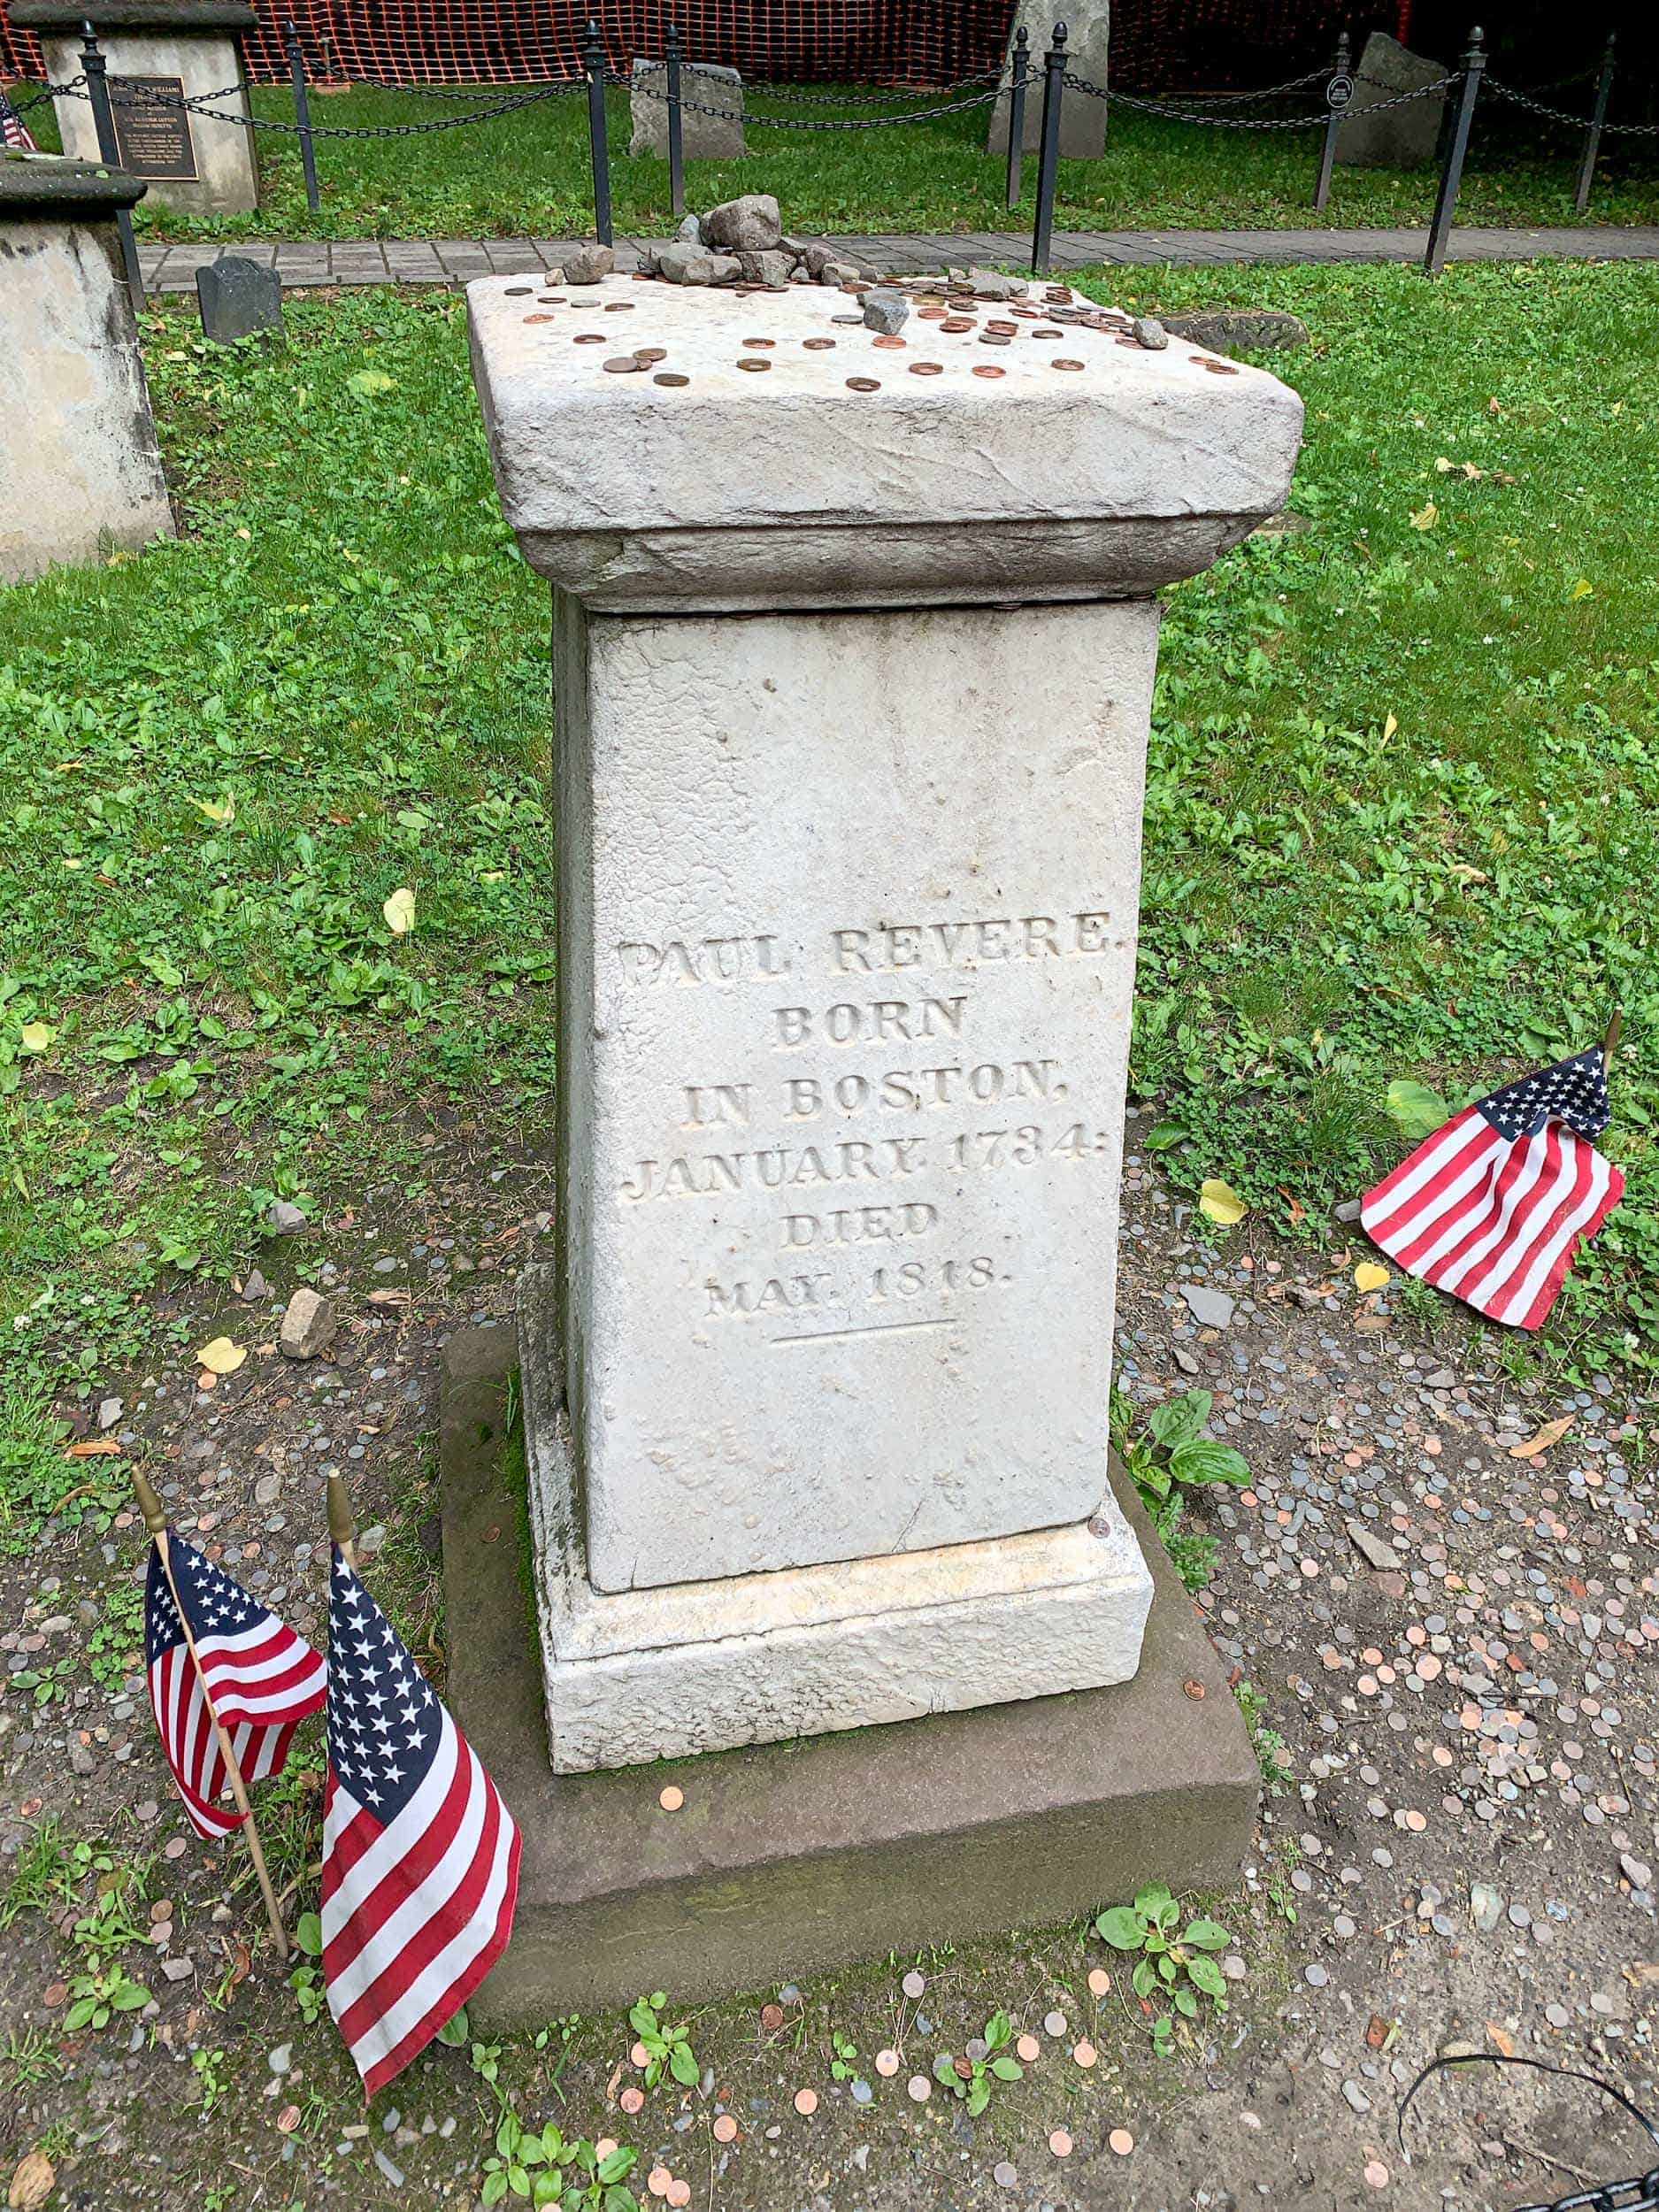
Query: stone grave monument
{"x": 160, "y": 51}
{"x": 1403, "y": 137}
{"x": 854, "y": 638}
{"x": 1082, "y": 117}
{"x": 703, "y": 136}
{"x": 80, "y": 468}
{"x": 238, "y": 298}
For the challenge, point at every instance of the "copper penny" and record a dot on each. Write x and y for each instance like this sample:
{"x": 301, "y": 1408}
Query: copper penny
{"x": 997, "y": 322}
{"x": 990, "y": 368}
{"x": 957, "y": 322}
{"x": 623, "y": 365}
{"x": 1059, "y": 361}
{"x": 585, "y": 337}
{"x": 817, "y": 345}
{"x": 994, "y": 338}
{"x": 1221, "y": 368}
{"x": 927, "y": 368}
{"x": 1129, "y": 342}
{"x": 648, "y": 354}
{"x": 930, "y": 314}
{"x": 863, "y": 384}
{"x": 670, "y": 376}
{"x": 518, "y": 291}
{"x": 541, "y": 319}
{"x": 751, "y": 363}
{"x": 1026, "y": 314}
{"x": 890, "y": 343}
{"x": 620, "y": 307}
{"x": 551, "y": 299}
{"x": 765, "y": 344}
{"x": 1047, "y": 333}
{"x": 725, "y": 2128}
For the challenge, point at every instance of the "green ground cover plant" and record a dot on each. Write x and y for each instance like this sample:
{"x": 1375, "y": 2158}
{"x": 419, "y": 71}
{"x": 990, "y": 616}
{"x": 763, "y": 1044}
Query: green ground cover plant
{"x": 529, "y": 172}
{"x": 1400, "y": 819}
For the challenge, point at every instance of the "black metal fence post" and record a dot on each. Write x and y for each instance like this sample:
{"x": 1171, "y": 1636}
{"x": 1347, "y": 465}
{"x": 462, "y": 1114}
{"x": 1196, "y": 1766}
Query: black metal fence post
{"x": 676, "y": 135}
{"x": 594, "y": 55}
{"x": 1048, "y": 153}
{"x": 1017, "y": 114}
{"x": 1338, "y": 92}
{"x": 302, "y": 111}
{"x": 97, "y": 75}
{"x": 1452, "y": 176}
{"x": 1593, "y": 135}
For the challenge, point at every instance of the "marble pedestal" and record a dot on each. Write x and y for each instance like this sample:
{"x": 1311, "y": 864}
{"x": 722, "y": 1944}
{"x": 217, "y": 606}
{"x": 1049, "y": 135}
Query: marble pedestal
{"x": 852, "y": 669}
{"x": 80, "y": 466}
{"x": 201, "y": 164}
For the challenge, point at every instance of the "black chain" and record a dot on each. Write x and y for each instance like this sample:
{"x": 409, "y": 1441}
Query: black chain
{"x": 1560, "y": 115}
{"x": 49, "y": 92}
{"x": 367, "y": 130}
{"x": 788, "y": 95}
{"x": 1249, "y": 122}
{"x": 1639, "y": 2193}
{"x": 852, "y": 123}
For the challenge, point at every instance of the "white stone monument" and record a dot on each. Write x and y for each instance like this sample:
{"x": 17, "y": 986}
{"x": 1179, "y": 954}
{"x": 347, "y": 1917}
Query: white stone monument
{"x": 854, "y": 642}
{"x": 160, "y": 53}
{"x": 1087, "y": 41}
{"x": 80, "y": 468}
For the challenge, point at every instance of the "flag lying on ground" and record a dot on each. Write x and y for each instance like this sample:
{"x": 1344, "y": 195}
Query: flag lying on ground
{"x": 420, "y": 1858}
{"x": 13, "y": 130}
{"x": 1492, "y": 1206}
{"x": 263, "y": 1678}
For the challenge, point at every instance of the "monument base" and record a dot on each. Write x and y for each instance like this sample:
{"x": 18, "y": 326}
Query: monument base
{"x": 801, "y": 1857}
{"x": 685, "y": 1668}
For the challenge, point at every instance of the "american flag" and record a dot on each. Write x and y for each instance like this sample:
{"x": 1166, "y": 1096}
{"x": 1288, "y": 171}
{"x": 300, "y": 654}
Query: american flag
{"x": 13, "y": 130}
{"x": 1492, "y": 1206}
{"x": 263, "y": 1680}
{"x": 420, "y": 1858}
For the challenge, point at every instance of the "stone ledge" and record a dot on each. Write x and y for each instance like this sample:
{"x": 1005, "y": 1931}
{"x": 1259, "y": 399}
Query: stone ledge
{"x": 801, "y": 1857}
{"x": 48, "y": 184}
{"x": 132, "y": 15}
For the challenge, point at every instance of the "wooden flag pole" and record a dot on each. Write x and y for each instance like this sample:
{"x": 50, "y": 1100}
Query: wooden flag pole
{"x": 1610, "y": 1042}
{"x": 156, "y": 1522}
{"x": 343, "y": 1529}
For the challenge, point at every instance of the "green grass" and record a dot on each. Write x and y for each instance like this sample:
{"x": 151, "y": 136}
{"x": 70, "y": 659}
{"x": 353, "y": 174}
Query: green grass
{"x": 527, "y": 172}
{"x": 1401, "y": 815}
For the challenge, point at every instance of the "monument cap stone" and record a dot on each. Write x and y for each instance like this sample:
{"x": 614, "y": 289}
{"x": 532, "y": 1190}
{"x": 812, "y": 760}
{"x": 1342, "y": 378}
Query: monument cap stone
{"x": 238, "y": 298}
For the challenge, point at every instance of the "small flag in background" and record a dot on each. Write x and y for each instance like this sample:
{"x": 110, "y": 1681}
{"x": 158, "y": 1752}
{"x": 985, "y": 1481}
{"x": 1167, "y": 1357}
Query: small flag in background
{"x": 13, "y": 130}
{"x": 263, "y": 1678}
{"x": 1492, "y": 1206}
{"x": 420, "y": 1858}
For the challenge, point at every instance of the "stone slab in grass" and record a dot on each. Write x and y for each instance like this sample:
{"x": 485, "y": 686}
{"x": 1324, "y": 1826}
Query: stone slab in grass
{"x": 799, "y": 1857}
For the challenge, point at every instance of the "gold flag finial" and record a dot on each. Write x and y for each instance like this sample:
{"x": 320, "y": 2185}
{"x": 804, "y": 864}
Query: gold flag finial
{"x": 149, "y": 1503}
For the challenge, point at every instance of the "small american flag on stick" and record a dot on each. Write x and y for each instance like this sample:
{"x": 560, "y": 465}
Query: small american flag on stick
{"x": 13, "y": 130}
{"x": 1493, "y": 1206}
{"x": 420, "y": 1858}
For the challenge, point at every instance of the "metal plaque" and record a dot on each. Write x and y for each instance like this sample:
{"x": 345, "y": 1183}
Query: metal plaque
{"x": 152, "y": 128}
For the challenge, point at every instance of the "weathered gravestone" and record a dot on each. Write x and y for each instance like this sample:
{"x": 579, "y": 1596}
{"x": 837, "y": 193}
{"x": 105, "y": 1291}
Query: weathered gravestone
{"x": 710, "y": 114}
{"x": 1403, "y": 137}
{"x": 238, "y": 298}
{"x": 159, "y": 54}
{"x": 80, "y": 468}
{"x": 854, "y": 642}
{"x": 1082, "y": 117}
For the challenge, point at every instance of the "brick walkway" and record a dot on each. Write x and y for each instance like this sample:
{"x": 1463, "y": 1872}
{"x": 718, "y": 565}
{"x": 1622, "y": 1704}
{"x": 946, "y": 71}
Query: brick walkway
{"x": 454, "y": 260}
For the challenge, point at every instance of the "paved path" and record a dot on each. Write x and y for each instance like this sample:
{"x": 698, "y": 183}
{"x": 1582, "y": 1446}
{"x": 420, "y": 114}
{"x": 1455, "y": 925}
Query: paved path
{"x": 305, "y": 262}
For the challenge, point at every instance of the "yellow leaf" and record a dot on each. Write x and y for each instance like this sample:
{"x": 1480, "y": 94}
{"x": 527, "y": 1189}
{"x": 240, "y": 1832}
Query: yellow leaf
{"x": 1370, "y": 1276}
{"x": 1583, "y": 589}
{"x": 1443, "y": 467}
{"x": 1219, "y": 1202}
{"x": 1388, "y": 729}
{"x": 1540, "y": 1440}
{"x": 1426, "y": 518}
{"x": 220, "y": 810}
{"x": 35, "y": 1036}
{"x": 399, "y": 910}
{"x": 222, "y": 1356}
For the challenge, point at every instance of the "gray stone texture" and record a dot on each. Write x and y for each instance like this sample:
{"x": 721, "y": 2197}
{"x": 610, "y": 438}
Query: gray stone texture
{"x": 1082, "y": 117}
{"x": 587, "y": 264}
{"x": 702, "y": 137}
{"x": 1401, "y": 137}
{"x": 752, "y": 224}
{"x": 803, "y": 1857}
{"x": 80, "y": 466}
{"x": 1239, "y": 330}
{"x": 238, "y": 298}
{"x": 887, "y": 312}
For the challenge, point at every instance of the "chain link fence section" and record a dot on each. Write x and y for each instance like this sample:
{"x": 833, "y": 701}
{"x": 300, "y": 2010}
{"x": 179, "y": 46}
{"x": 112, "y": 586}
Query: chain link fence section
{"x": 1560, "y": 115}
{"x": 747, "y": 115}
{"x": 1250, "y": 122}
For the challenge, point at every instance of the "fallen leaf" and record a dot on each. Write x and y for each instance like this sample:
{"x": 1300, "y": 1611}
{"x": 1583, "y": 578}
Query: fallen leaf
{"x": 391, "y": 1297}
{"x": 1426, "y": 518}
{"x": 367, "y": 382}
{"x": 222, "y": 1356}
{"x": 1389, "y": 728}
{"x": 223, "y": 811}
{"x": 1500, "y": 2038}
{"x": 399, "y": 910}
{"x": 95, "y": 1448}
{"x": 35, "y": 1036}
{"x": 1219, "y": 1202}
{"x": 1542, "y": 1439}
{"x": 1583, "y": 589}
{"x": 1464, "y": 873}
{"x": 1370, "y": 1275}
{"x": 32, "y": 2184}
{"x": 1414, "y": 1109}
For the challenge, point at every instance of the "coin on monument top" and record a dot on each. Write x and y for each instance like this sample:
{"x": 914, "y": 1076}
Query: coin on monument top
{"x": 989, "y": 368}
{"x": 890, "y": 344}
{"x": 541, "y": 319}
{"x": 750, "y": 362}
{"x": 863, "y": 384}
{"x": 998, "y": 322}
{"x": 761, "y": 342}
{"x": 857, "y": 319}
{"x": 648, "y": 354}
{"x": 957, "y": 322}
{"x": 930, "y": 314}
{"x": 671, "y": 1798}
{"x": 1222, "y": 368}
{"x": 671, "y": 377}
{"x": 620, "y": 307}
{"x": 994, "y": 338}
{"x": 588, "y": 338}
{"x": 927, "y": 368}
{"x": 624, "y": 364}
{"x": 1060, "y": 361}
{"x": 518, "y": 291}
{"x": 817, "y": 345}
{"x": 1048, "y": 333}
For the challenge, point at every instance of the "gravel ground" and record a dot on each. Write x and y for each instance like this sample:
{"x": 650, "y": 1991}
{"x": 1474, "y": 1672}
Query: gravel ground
{"x": 1449, "y": 1622}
